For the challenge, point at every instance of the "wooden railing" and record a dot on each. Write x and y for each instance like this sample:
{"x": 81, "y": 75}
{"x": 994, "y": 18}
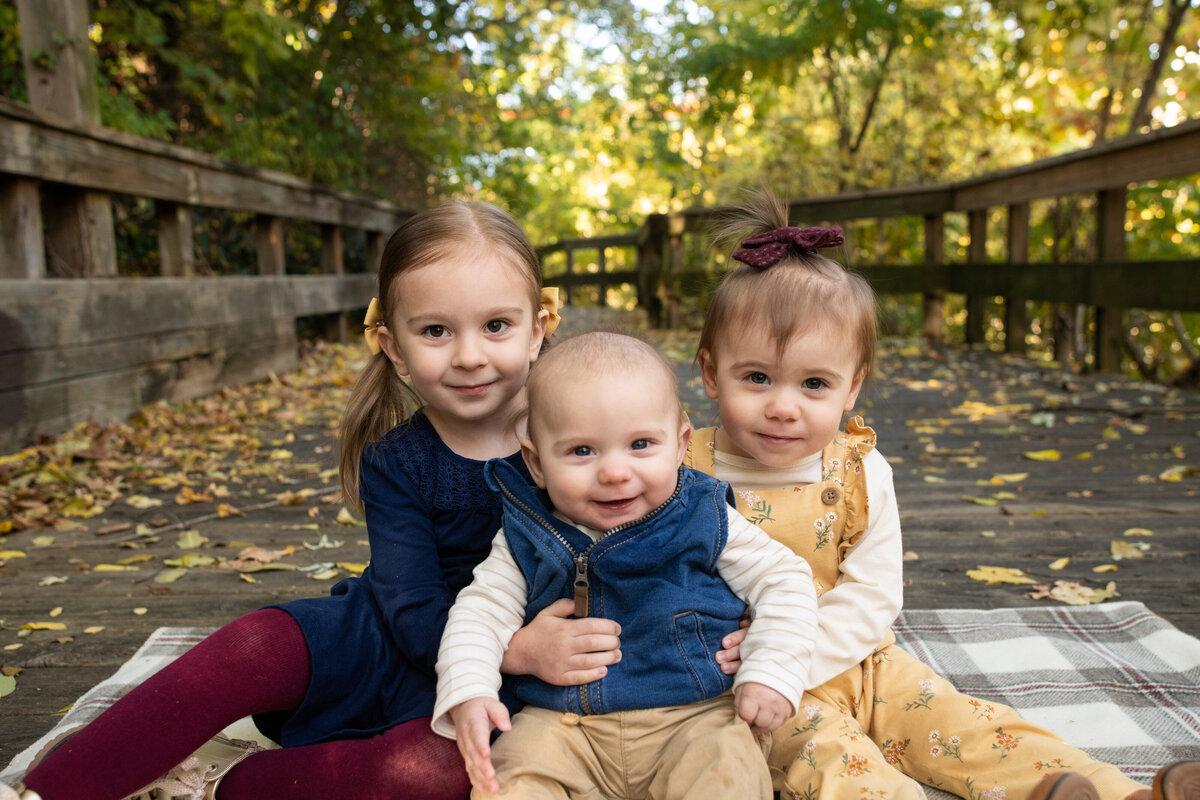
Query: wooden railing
{"x": 78, "y": 341}
{"x": 1110, "y": 284}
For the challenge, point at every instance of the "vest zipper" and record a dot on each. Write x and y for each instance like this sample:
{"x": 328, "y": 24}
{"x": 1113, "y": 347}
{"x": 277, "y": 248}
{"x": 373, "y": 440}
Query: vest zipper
{"x": 581, "y": 585}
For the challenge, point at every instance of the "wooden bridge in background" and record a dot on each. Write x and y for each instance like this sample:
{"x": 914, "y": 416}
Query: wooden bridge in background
{"x": 80, "y": 340}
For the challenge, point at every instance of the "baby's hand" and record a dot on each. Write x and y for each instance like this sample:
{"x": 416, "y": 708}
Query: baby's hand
{"x": 562, "y": 651}
{"x": 473, "y": 723}
{"x": 763, "y": 708}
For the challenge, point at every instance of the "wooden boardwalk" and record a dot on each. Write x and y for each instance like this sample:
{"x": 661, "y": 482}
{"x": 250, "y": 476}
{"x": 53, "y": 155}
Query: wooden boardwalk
{"x": 958, "y": 428}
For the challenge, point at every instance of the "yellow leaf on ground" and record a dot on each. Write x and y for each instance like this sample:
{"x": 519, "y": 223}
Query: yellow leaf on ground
{"x": 999, "y": 575}
{"x": 1059, "y": 563}
{"x": 344, "y": 517}
{"x": 140, "y": 501}
{"x": 138, "y": 559}
{"x": 1138, "y": 532}
{"x": 1074, "y": 594}
{"x": 93, "y": 629}
{"x": 140, "y": 611}
{"x": 1121, "y": 549}
{"x": 43, "y": 626}
{"x": 1010, "y": 477}
{"x": 350, "y": 566}
{"x": 1105, "y": 568}
{"x": 190, "y": 540}
{"x": 1043, "y": 455}
{"x": 226, "y": 510}
{"x": 6, "y": 554}
{"x": 114, "y": 568}
{"x": 1004, "y": 496}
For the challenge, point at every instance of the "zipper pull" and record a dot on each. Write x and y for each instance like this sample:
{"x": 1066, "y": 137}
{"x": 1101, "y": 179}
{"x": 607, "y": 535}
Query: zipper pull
{"x": 581, "y": 586}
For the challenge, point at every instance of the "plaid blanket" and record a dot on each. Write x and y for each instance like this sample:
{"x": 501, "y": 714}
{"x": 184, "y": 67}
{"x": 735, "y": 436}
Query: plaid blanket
{"x": 1113, "y": 679}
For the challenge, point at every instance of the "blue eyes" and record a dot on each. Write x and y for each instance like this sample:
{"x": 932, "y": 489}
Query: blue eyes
{"x": 640, "y": 444}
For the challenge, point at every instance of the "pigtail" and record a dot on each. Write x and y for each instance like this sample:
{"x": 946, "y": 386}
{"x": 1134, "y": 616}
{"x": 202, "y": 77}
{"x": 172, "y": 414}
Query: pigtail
{"x": 379, "y": 401}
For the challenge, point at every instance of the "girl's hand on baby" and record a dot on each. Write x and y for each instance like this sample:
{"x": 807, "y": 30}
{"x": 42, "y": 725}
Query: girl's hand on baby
{"x": 730, "y": 657}
{"x": 474, "y": 720}
{"x": 763, "y": 708}
{"x": 563, "y": 651}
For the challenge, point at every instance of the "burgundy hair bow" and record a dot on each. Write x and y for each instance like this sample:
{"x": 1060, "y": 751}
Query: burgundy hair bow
{"x": 765, "y": 249}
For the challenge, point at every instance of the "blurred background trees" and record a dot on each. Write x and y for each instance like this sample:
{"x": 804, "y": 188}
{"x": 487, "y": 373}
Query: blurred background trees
{"x": 583, "y": 116}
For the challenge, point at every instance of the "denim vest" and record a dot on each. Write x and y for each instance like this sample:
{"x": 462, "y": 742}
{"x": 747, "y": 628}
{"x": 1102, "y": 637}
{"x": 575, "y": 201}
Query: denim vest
{"x": 656, "y": 576}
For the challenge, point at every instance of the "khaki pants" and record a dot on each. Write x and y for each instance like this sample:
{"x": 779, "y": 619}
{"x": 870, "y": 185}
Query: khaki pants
{"x": 872, "y": 730}
{"x": 701, "y": 751}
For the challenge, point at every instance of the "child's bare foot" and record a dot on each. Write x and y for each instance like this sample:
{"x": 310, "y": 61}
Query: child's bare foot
{"x": 1179, "y": 780}
{"x": 1064, "y": 786}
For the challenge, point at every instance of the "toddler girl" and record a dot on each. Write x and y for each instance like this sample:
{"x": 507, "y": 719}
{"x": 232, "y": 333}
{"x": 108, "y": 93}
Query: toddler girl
{"x": 787, "y": 344}
{"x": 346, "y": 683}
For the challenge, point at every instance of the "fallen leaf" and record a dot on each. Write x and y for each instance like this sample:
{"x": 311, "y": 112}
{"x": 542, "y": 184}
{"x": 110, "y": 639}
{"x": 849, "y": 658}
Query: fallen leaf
{"x": 226, "y": 510}
{"x": 8, "y": 685}
{"x": 1043, "y": 455}
{"x": 138, "y": 559}
{"x": 1010, "y": 477}
{"x": 43, "y": 541}
{"x": 1075, "y": 594}
{"x": 1121, "y": 549}
{"x": 170, "y": 575}
{"x": 140, "y": 501}
{"x": 324, "y": 543}
{"x": 350, "y": 566}
{"x": 1059, "y": 563}
{"x": 114, "y": 568}
{"x": 190, "y": 560}
{"x": 909, "y": 555}
{"x": 93, "y": 629}
{"x": 934, "y": 479}
{"x": 999, "y": 575}
{"x": 325, "y": 575}
{"x": 1105, "y": 568}
{"x": 51, "y": 580}
{"x": 43, "y": 626}
{"x": 190, "y": 540}
{"x": 7, "y": 554}
{"x": 344, "y": 517}
{"x": 979, "y": 501}
{"x": 1138, "y": 532}
{"x": 140, "y": 611}
{"x": 56, "y": 611}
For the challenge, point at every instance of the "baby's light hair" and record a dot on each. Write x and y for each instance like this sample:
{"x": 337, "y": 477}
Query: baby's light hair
{"x": 600, "y": 353}
{"x": 380, "y": 399}
{"x": 800, "y": 292}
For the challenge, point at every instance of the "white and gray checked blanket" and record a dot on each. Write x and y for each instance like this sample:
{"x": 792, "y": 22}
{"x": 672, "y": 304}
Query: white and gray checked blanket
{"x": 1113, "y": 679}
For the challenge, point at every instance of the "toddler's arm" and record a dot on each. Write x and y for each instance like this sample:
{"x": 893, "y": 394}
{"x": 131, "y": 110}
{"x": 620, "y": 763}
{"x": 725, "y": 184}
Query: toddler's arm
{"x": 777, "y": 585}
{"x": 857, "y": 612}
{"x": 473, "y": 724}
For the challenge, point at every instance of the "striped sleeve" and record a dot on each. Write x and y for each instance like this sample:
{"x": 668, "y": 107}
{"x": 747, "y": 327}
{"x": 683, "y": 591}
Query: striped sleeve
{"x": 777, "y": 584}
{"x": 481, "y": 624}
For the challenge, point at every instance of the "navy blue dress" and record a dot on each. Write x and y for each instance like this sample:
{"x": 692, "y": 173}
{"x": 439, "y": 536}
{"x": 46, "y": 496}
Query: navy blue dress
{"x": 373, "y": 641}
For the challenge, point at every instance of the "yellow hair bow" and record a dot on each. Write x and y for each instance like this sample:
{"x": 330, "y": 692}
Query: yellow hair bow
{"x": 550, "y": 303}
{"x": 371, "y": 325}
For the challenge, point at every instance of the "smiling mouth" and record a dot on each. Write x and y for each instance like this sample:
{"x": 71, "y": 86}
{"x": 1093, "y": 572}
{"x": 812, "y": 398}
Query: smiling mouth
{"x": 471, "y": 391}
{"x": 777, "y": 440}
{"x": 616, "y": 505}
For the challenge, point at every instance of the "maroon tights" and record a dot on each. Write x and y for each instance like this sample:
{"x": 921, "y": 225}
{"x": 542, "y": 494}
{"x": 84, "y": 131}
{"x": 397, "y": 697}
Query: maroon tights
{"x": 257, "y": 663}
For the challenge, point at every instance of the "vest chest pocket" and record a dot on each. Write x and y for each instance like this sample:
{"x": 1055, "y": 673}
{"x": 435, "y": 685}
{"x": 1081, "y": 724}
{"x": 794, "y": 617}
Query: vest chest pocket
{"x": 699, "y": 654}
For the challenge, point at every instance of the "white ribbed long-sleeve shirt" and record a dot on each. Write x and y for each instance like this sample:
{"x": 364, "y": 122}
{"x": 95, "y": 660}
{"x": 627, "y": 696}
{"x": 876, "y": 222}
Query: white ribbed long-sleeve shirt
{"x": 774, "y": 582}
{"x": 857, "y": 612}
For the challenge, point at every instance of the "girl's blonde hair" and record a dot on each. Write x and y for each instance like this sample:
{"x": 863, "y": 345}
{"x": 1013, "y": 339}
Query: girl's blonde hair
{"x": 802, "y": 290}
{"x": 381, "y": 399}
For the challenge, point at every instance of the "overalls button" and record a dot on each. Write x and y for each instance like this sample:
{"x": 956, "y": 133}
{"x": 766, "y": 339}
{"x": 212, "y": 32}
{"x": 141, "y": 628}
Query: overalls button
{"x": 830, "y": 495}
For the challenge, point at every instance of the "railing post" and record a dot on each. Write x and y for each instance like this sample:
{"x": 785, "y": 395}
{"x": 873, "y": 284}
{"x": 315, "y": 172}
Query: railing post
{"x": 59, "y": 76}
{"x": 1016, "y": 318}
{"x": 649, "y": 267}
{"x": 976, "y": 254}
{"x": 22, "y": 251}
{"x": 570, "y": 271}
{"x": 1110, "y": 246}
{"x": 934, "y": 322}
{"x": 268, "y": 241}
{"x": 176, "y": 239}
{"x": 333, "y": 262}
{"x": 602, "y": 268}
{"x": 670, "y": 287}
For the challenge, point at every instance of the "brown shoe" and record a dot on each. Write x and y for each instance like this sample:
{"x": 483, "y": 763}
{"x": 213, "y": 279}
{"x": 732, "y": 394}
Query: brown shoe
{"x": 1064, "y": 786}
{"x": 1179, "y": 780}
